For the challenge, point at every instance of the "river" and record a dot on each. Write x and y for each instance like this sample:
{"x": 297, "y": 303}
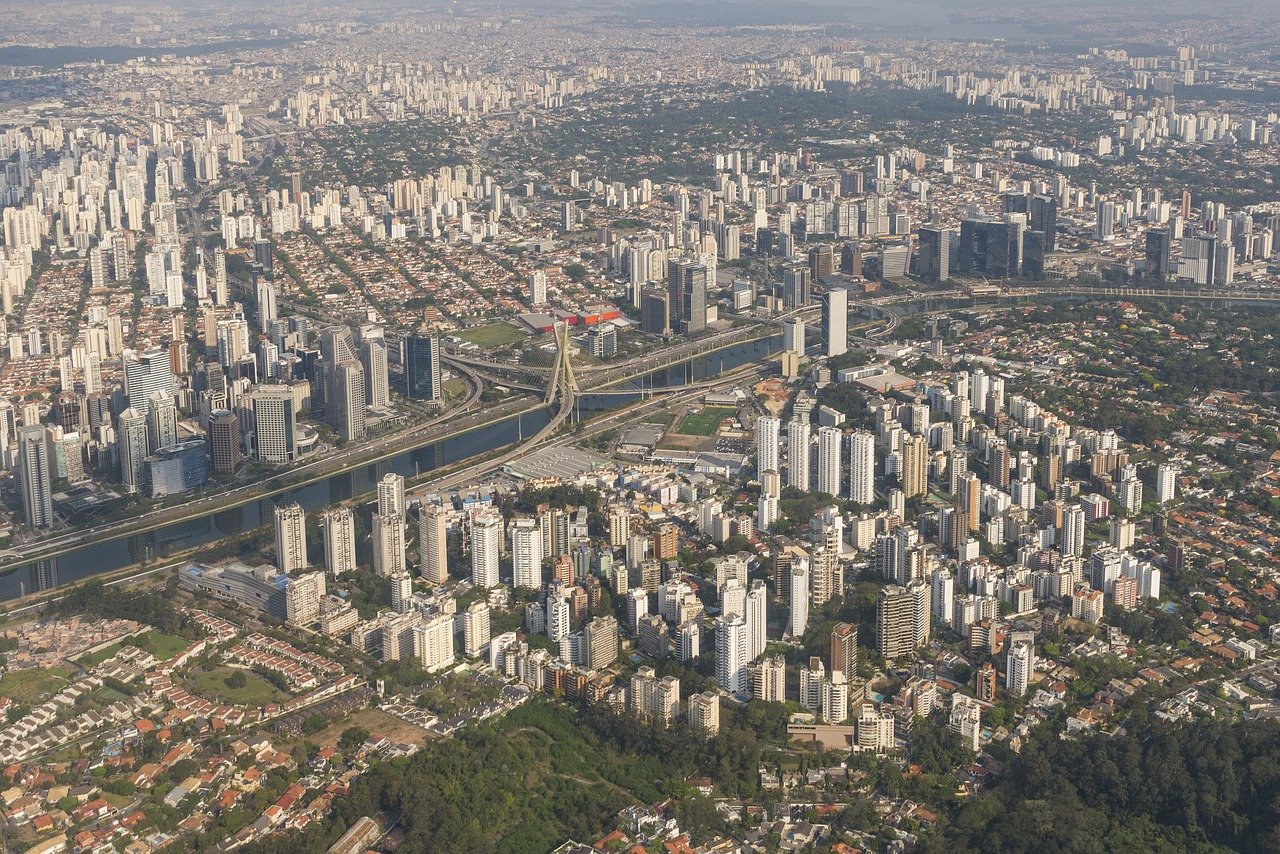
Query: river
{"x": 109, "y": 555}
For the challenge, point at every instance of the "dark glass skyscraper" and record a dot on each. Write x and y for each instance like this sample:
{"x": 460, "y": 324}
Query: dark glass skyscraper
{"x": 422, "y": 366}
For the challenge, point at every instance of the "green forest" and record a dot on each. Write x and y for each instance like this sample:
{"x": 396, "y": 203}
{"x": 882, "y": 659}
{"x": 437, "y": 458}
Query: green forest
{"x": 1203, "y": 786}
{"x": 545, "y": 773}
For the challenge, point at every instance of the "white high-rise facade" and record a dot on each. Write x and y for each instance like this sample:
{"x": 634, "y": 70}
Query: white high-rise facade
{"x": 1166, "y": 483}
{"x": 829, "y": 460}
{"x": 799, "y": 596}
{"x": 731, "y": 654}
{"x": 388, "y": 544}
{"x": 486, "y": 548}
{"x": 757, "y": 619}
{"x": 391, "y": 495}
{"x": 766, "y": 444}
{"x": 1019, "y": 667}
{"x": 433, "y": 528}
{"x": 526, "y": 553}
{"x": 798, "y": 455}
{"x": 862, "y": 467}
{"x": 291, "y": 538}
{"x": 339, "y": 530}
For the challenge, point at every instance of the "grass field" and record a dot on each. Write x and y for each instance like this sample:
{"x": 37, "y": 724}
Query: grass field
{"x": 27, "y": 687}
{"x": 454, "y": 387}
{"x": 255, "y": 692}
{"x": 377, "y": 722}
{"x": 162, "y": 646}
{"x": 493, "y": 335}
{"x": 705, "y": 422}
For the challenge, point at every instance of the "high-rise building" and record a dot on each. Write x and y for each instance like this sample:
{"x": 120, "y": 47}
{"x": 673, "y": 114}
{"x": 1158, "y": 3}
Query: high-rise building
{"x": 476, "y": 629}
{"x": 821, "y": 262}
{"x": 844, "y": 649}
{"x": 486, "y": 549}
{"x": 795, "y": 286}
{"x": 337, "y": 526}
{"x": 373, "y": 359}
{"x": 731, "y": 654}
{"x": 756, "y": 618}
{"x": 348, "y": 401}
{"x": 401, "y": 593}
{"x": 1073, "y": 527}
{"x": 144, "y": 375}
{"x": 526, "y": 553}
{"x": 704, "y": 713}
{"x": 902, "y": 619}
{"x": 862, "y": 467}
{"x": 766, "y": 444}
{"x": 422, "y": 366}
{"x": 829, "y": 442}
{"x": 433, "y": 544}
{"x": 835, "y": 322}
{"x": 798, "y": 475}
{"x": 32, "y": 472}
{"x": 655, "y": 311}
{"x": 275, "y": 423}
{"x": 1166, "y": 483}
{"x": 291, "y": 538}
{"x": 162, "y": 421}
{"x": 131, "y": 447}
{"x": 388, "y": 544}
{"x": 600, "y": 637}
{"x": 799, "y": 596}
{"x": 391, "y": 495}
{"x": 1019, "y": 668}
{"x": 1158, "y": 249}
{"x": 687, "y": 288}
{"x": 915, "y": 466}
{"x": 224, "y": 441}
{"x": 933, "y": 259}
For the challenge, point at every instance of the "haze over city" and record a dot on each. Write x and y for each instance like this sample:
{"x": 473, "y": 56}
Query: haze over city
{"x": 651, "y": 427}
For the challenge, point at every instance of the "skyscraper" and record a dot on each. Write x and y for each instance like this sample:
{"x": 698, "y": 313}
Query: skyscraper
{"x": 915, "y": 466}
{"x": 275, "y": 424}
{"x": 348, "y": 402}
{"x": 799, "y": 595}
{"x": 835, "y": 322}
{"x": 388, "y": 544}
{"x": 1157, "y": 254}
{"x": 224, "y": 441}
{"x": 798, "y": 455}
{"x": 391, "y": 495}
{"x": 422, "y": 366}
{"x": 144, "y": 375}
{"x": 687, "y": 286}
{"x": 162, "y": 421}
{"x": 933, "y": 258}
{"x": 526, "y": 553}
{"x": 373, "y": 360}
{"x": 338, "y": 528}
{"x": 757, "y": 619}
{"x": 433, "y": 543}
{"x": 862, "y": 467}
{"x": 32, "y": 472}
{"x": 766, "y": 444}
{"x": 291, "y": 538}
{"x": 731, "y": 654}
{"x": 844, "y": 649}
{"x": 486, "y": 548}
{"x": 902, "y": 619}
{"x": 1166, "y": 483}
{"x": 1020, "y": 666}
{"x": 131, "y": 447}
{"x": 829, "y": 460}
